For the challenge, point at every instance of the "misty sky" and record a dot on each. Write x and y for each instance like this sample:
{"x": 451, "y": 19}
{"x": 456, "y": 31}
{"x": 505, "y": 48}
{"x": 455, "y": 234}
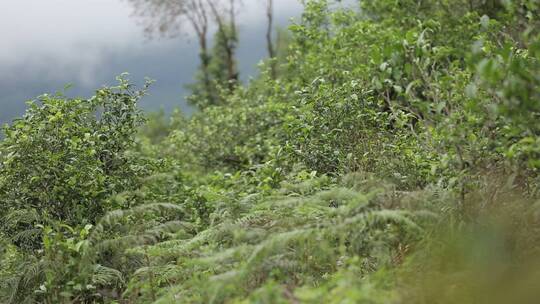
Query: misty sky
{"x": 47, "y": 44}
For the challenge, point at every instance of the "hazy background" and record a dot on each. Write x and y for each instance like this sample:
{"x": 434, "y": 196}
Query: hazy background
{"x": 47, "y": 44}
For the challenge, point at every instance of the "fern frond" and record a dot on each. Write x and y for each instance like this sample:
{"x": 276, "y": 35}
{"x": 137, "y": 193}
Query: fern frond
{"x": 106, "y": 276}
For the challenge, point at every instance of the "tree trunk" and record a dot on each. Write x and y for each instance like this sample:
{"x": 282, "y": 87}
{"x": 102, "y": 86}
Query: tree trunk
{"x": 205, "y": 64}
{"x": 230, "y": 40}
{"x": 269, "y": 41}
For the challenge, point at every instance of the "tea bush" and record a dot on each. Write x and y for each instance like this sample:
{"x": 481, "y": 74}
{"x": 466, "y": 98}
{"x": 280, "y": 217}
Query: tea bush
{"x": 394, "y": 159}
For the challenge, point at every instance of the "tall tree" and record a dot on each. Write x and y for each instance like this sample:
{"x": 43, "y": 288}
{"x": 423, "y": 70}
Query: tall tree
{"x": 168, "y": 18}
{"x": 228, "y": 34}
{"x": 269, "y": 39}
{"x": 220, "y": 84}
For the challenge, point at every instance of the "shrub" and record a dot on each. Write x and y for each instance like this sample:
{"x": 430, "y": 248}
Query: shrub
{"x": 65, "y": 157}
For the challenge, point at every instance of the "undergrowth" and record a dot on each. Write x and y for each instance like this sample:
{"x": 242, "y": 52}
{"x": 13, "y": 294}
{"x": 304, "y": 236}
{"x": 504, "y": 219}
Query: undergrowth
{"x": 393, "y": 159}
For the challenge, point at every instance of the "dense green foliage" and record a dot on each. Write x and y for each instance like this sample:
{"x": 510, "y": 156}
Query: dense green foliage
{"x": 394, "y": 159}
{"x": 65, "y": 158}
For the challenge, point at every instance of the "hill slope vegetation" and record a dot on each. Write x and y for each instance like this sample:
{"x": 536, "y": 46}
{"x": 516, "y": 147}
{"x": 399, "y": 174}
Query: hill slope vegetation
{"x": 391, "y": 157}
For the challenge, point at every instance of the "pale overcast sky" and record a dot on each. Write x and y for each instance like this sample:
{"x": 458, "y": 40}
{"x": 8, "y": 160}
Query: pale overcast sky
{"x": 49, "y": 43}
